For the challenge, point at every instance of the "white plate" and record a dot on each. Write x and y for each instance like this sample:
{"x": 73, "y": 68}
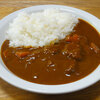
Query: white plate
{"x": 48, "y": 89}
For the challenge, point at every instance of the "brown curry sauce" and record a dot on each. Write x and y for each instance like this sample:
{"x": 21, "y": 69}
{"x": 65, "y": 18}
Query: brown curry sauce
{"x": 71, "y": 59}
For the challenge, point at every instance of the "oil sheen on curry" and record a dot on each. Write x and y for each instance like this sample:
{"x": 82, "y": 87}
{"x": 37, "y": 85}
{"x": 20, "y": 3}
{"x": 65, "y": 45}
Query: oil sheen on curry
{"x": 69, "y": 60}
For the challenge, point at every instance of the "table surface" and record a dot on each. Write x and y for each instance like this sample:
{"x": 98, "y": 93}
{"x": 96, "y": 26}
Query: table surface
{"x": 8, "y": 92}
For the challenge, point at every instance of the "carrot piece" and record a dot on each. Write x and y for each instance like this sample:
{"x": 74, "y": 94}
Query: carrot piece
{"x": 94, "y": 47}
{"x": 21, "y": 54}
{"x": 73, "y": 38}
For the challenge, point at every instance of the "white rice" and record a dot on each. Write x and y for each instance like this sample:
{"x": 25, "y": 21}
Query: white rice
{"x": 41, "y": 28}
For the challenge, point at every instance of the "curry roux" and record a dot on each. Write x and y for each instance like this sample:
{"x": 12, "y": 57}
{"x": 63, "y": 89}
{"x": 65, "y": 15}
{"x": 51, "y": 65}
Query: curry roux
{"x": 71, "y": 59}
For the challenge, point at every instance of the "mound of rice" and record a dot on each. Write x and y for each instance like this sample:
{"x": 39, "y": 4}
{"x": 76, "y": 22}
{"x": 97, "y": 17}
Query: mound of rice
{"x": 41, "y": 28}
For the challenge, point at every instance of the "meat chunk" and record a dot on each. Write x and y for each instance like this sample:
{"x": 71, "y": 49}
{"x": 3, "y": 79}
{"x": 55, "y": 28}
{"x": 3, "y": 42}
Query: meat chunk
{"x": 21, "y": 54}
{"x": 94, "y": 47}
{"x": 83, "y": 41}
{"x": 51, "y": 66}
{"x": 70, "y": 67}
{"x": 52, "y": 50}
{"x": 37, "y": 51}
{"x": 72, "y": 50}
